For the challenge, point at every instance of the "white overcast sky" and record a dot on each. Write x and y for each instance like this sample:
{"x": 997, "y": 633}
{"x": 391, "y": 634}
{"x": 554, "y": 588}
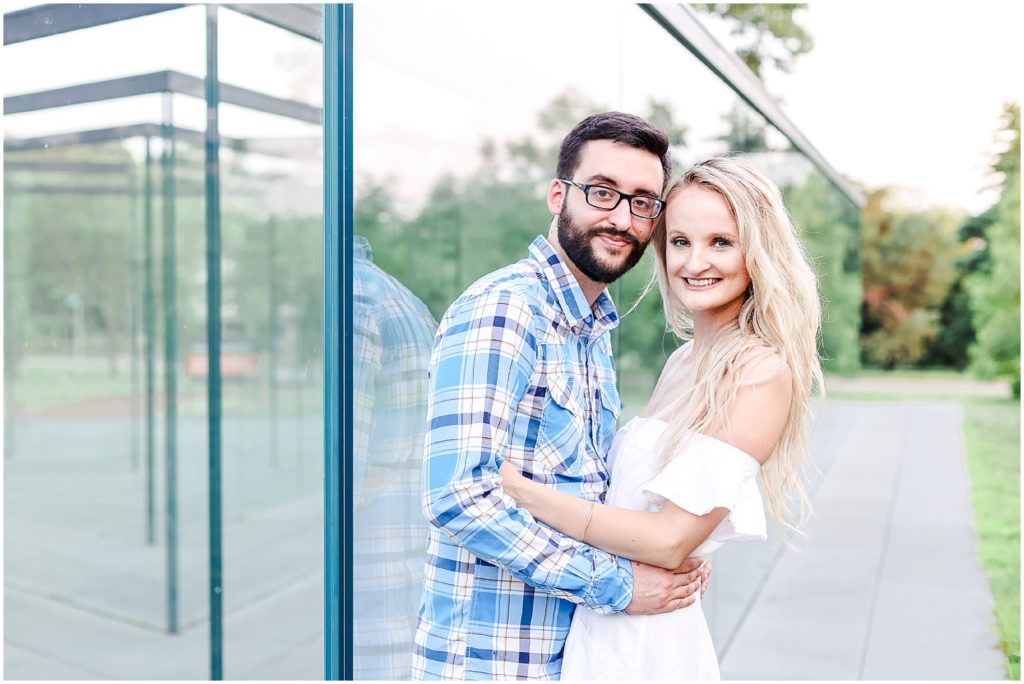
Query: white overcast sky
{"x": 908, "y": 93}
{"x": 901, "y": 93}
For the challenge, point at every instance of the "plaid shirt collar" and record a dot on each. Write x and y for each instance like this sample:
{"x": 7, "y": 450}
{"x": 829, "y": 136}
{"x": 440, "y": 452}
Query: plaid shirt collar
{"x": 580, "y": 317}
{"x": 361, "y": 248}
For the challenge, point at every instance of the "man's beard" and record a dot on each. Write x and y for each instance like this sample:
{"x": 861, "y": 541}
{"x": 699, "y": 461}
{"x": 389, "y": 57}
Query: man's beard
{"x": 577, "y": 244}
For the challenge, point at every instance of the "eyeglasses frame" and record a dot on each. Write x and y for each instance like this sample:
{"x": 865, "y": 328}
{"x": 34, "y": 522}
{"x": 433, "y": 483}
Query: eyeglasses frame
{"x": 585, "y": 187}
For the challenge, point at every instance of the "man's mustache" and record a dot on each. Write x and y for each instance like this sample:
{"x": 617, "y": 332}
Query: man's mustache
{"x": 618, "y": 234}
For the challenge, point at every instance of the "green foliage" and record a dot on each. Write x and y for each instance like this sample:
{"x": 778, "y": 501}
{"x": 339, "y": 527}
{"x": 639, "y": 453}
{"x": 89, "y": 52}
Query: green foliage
{"x": 948, "y": 347}
{"x": 992, "y": 438}
{"x": 766, "y": 33}
{"x": 995, "y": 295}
{"x": 908, "y": 269}
{"x": 468, "y": 228}
{"x": 74, "y": 259}
{"x": 745, "y": 131}
{"x": 67, "y": 252}
{"x": 830, "y": 229}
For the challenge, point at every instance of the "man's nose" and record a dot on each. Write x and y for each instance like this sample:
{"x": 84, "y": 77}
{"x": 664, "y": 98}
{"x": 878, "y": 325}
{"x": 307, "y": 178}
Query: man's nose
{"x": 620, "y": 217}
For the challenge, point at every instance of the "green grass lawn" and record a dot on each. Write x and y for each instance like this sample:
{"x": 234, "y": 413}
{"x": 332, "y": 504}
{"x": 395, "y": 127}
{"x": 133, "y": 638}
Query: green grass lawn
{"x": 911, "y": 374}
{"x": 992, "y": 435}
{"x": 41, "y": 389}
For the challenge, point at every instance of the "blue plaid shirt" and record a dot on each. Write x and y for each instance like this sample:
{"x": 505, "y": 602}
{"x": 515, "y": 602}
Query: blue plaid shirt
{"x": 522, "y": 369}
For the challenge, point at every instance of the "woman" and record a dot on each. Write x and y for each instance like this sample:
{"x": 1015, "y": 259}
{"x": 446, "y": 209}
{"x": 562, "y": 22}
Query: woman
{"x": 730, "y": 403}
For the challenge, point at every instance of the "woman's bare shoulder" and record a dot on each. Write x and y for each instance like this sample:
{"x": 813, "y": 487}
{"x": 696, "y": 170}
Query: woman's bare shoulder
{"x": 762, "y": 364}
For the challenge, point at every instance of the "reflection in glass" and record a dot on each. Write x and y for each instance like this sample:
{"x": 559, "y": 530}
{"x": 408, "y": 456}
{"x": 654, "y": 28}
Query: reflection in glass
{"x": 392, "y": 336}
{"x": 106, "y": 566}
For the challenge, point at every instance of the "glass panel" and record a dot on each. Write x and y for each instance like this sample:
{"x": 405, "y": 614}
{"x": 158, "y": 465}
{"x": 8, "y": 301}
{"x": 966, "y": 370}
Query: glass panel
{"x": 91, "y": 516}
{"x": 456, "y": 142}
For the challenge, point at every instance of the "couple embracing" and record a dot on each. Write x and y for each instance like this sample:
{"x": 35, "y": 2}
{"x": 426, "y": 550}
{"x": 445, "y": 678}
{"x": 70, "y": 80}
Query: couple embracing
{"x": 561, "y": 547}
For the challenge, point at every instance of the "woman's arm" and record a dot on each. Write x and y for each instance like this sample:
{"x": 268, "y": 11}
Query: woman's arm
{"x": 664, "y": 539}
{"x": 669, "y": 536}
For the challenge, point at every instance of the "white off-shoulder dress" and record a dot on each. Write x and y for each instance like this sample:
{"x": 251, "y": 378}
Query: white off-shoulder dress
{"x": 705, "y": 475}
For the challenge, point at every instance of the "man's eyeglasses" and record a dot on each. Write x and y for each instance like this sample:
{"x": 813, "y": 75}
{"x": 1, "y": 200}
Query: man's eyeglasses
{"x": 603, "y": 197}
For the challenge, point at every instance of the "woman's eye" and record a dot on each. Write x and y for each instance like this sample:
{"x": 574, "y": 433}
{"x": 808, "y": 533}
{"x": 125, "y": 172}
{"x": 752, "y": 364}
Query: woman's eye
{"x": 722, "y": 242}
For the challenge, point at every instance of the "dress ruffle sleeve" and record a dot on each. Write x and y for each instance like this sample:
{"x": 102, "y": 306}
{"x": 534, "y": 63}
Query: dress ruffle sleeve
{"x": 707, "y": 474}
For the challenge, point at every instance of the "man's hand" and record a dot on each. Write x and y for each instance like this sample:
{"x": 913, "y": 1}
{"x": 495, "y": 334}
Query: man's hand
{"x": 656, "y": 590}
{"x": 697, "y": 563}
{"x": 705, "y": 574}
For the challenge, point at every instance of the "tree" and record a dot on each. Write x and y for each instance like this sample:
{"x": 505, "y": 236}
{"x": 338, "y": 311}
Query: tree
{"x": 956, "y": 321}
{"x": 829, "y": 226}
{"x": 765, "y": 33}
{"x": 995, "y": 295}
{"x": 907, "y": 262}
{"x": 745, "y": 131}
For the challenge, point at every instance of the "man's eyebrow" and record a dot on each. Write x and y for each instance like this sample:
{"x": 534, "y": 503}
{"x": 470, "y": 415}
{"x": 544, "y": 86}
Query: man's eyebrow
{"x": 601, "y": 178}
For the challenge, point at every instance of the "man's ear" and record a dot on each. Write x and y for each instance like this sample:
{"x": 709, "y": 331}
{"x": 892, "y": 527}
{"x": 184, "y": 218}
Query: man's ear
{"x": 556, "y": 195}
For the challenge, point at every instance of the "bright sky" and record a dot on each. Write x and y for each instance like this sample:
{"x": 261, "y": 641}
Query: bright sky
{"x": 908, "y": 93}
{"x": 898, "y": 93}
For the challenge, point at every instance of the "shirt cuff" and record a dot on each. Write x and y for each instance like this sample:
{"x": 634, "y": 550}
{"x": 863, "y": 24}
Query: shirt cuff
{"x": 612, "y": 585}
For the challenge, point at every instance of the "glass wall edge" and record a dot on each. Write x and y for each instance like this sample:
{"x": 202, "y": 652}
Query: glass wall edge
{"x": 682, "y": 24}
{"x": 337, "y": 32}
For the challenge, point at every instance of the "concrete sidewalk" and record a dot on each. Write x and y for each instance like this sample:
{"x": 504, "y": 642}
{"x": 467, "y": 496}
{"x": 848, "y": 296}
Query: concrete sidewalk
{"x": 889, "y": 585}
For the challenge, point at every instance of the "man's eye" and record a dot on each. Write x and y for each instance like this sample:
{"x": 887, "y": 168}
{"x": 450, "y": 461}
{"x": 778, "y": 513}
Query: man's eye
{"x": 602, "y": 193}
{"x": 642, "y": 202}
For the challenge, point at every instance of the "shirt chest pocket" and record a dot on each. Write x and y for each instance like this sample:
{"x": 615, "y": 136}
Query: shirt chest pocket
{"x": 611, "y": 407}
{"x": 561, "y": 437}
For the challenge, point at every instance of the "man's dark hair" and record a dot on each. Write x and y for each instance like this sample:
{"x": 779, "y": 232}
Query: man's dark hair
{"x": 619, "y": 127}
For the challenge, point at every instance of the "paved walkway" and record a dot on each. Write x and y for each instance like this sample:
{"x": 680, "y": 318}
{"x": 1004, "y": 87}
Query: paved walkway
{"x": 889, "y": 586}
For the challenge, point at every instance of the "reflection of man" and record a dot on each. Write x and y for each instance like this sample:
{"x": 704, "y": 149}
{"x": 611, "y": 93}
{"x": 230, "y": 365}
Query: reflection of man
{"x": 392, "y": 334}
{"x": 522, "y": 369}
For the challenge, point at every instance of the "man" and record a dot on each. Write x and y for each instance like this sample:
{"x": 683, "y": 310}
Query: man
{"x": 522, "y": 369}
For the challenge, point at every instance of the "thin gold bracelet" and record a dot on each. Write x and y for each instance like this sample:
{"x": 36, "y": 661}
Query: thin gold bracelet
{"x": 590, "y": 515}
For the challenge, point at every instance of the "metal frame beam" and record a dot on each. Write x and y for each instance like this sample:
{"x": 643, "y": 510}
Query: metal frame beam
{"x": 53, "y": 19}
{"x": 49, "y": 20}
{"x": 70, "y": 166}
{"x": 158, "y": 82}
{"x": 682, "y": 24}
{"x": 99, "y": 135}
{"x": 302, "y": 19}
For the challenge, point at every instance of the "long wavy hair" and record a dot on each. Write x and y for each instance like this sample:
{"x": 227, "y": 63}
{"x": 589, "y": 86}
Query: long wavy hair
{"x": 781, "y": 312}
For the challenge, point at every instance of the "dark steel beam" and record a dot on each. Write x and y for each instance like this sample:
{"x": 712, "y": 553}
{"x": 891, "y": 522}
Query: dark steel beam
{"x": 158, "y": 82}
{"x": 99, "y": 135}
{"x": 65, "y": 166}
{"x": 128, "y": 86}
{"x": 49, "y": 20}
{"x": 302, "y": 19}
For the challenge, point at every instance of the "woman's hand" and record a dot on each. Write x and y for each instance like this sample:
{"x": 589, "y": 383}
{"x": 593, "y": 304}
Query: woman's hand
{"x": 511, "y": 479}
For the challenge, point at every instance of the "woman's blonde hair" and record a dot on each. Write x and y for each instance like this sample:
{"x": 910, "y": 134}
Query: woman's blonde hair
{"x": 781, "y": 313}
